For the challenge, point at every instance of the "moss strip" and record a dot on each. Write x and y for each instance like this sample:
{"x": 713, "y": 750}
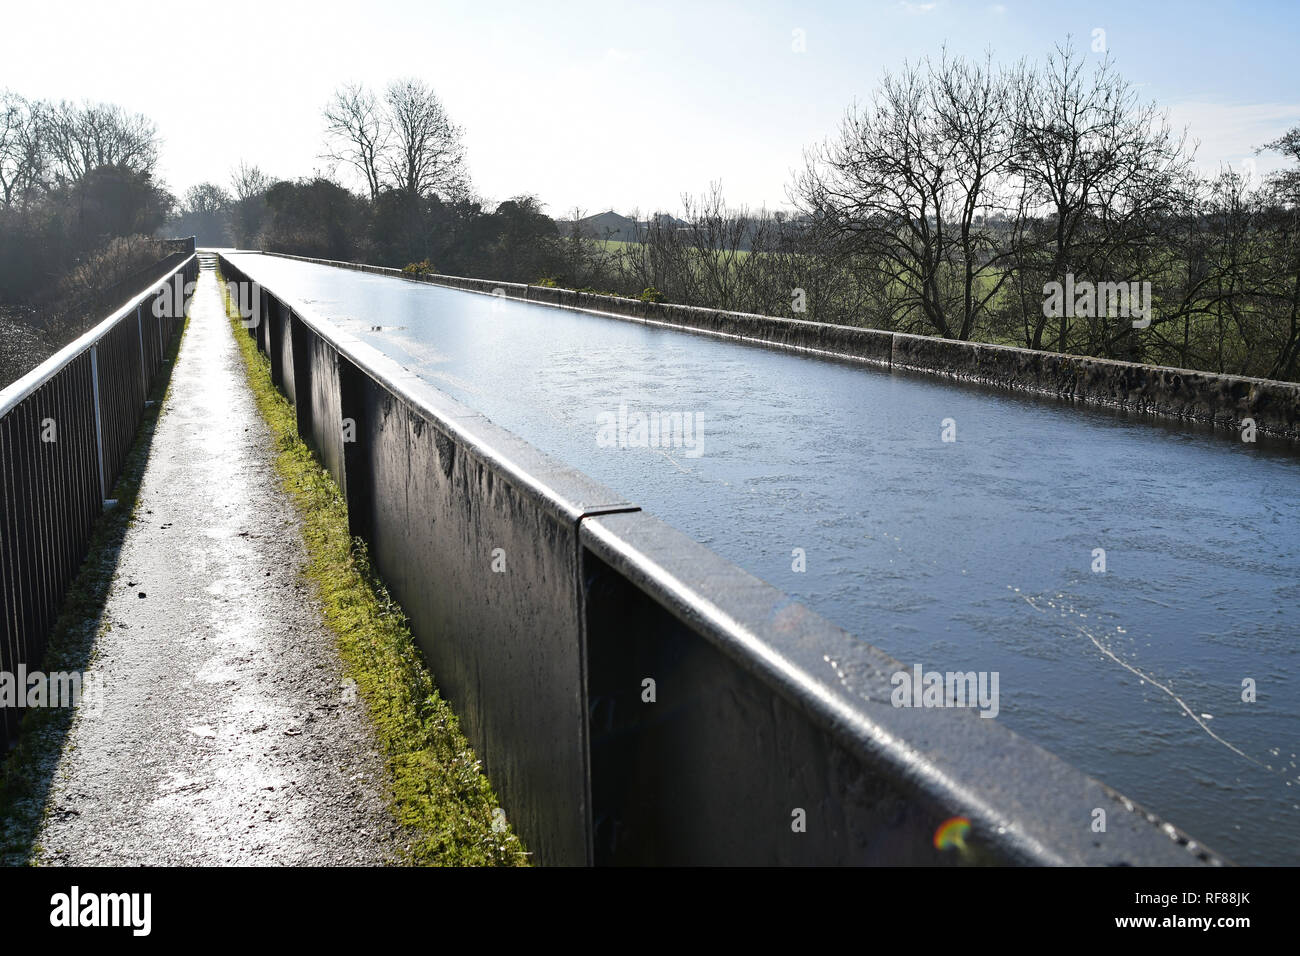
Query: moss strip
{"x": 439, "y": 790}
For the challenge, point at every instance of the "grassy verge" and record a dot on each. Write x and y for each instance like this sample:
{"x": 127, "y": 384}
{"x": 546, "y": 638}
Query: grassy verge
{"x": 439, "y": 790}
{"x": 26, "y": 773}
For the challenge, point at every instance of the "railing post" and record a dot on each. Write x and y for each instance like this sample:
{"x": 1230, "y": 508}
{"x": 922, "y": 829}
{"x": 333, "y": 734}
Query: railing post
{"x": 144, "y": 372}
{"x": 99, "y": 427}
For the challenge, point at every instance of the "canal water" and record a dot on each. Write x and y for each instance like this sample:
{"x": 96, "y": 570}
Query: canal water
{"x": 833, "y": 481}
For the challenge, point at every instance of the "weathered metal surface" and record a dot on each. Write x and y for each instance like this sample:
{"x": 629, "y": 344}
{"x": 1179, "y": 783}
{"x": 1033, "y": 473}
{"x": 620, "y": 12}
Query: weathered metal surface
{"x": 316, "y": 393}
{"x": 503, "y": 645}
{"x": 281, "y": 334}
{"x": 763, "y": 709}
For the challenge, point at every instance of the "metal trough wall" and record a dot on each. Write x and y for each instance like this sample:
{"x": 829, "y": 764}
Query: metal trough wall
{"x": 65, "y": 430}
{"x": 764, "y": 713}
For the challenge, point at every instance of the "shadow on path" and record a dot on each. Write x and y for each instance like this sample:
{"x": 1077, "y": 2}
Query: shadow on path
{"x": 27, "y": 771}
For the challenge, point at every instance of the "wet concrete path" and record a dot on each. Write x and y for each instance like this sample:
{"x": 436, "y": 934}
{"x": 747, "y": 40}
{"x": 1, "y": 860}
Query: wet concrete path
{"x": 227, "y": 733}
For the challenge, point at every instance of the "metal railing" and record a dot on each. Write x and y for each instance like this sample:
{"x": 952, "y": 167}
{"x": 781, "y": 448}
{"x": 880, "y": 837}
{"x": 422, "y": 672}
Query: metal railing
{"x": 65, "y": 430}
{"x": 763, "y": 715}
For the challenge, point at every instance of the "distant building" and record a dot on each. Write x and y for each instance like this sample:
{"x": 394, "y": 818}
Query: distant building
{"x": 611, "y": 225}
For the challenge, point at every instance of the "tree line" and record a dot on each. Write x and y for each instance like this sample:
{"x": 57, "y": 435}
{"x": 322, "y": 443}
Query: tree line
{"x": 76, "y": 181}
{"x": 416, "y": 203}
{"x": 947, "y": 203}
{"x": 953, "y": 200}
{"x": 964, "y": 191}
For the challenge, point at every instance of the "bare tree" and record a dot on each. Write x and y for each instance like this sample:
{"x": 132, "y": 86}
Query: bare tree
{"x": 909, "y": 183}
{"x": 13, "y": 110}
{"x": 248, "y": 210}
{"x": 1229, "y": 281}
{"x": 248, "y": 182}
{"x": 719, "y": 240}
{"x": 1285, "y": 183}
{"x": 1100, "y": 167}
{"x": 205, "y": 199}
{"x": 426, "y": 156}
{"x": 24, "y": 157}
{"x": 588, "y": 261}
{"x": 359, "y": 133}
{"x": 1284, "y": 201}
{"x": 972, "y": 105}
{"x": 86, "y": 137}
{"x": 660, "y": 257}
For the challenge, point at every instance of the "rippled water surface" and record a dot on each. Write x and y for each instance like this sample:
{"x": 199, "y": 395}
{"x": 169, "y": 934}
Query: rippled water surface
{"x": 970, "y": 555}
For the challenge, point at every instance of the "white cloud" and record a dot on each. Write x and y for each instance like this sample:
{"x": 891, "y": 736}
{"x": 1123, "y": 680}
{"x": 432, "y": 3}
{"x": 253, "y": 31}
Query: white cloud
{"x": 1230, "y": 133}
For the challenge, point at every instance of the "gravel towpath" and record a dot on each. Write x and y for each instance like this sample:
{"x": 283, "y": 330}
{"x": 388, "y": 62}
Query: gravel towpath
{"x": 227, "y": 732}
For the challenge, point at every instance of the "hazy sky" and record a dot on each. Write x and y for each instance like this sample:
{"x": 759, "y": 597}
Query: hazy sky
{"x": 606, "y": 104}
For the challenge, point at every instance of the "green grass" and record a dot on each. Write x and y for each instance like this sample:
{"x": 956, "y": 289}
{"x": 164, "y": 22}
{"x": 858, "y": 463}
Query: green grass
{"x": 439, "y": 791}
{"x": 615, "y": 245}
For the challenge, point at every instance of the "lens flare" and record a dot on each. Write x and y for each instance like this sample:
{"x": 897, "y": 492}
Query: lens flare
{"x": 952, "y": 833}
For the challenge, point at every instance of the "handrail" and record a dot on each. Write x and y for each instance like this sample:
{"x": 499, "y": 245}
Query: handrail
{"x": 22, "y": 387}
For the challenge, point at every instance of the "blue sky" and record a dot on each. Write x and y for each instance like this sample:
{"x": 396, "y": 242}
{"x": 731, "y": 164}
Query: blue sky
{"x": 607, "y": 104}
